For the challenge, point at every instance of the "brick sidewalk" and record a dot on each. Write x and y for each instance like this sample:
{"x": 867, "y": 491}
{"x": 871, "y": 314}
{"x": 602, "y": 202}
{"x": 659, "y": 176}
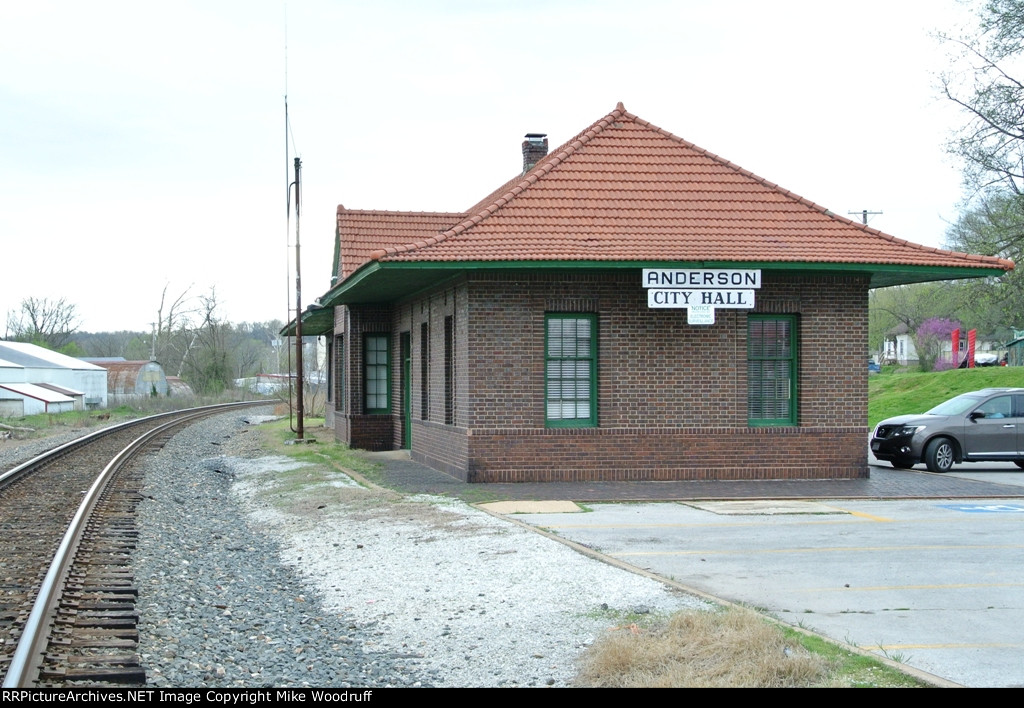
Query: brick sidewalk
{"x": 404, "y": 475}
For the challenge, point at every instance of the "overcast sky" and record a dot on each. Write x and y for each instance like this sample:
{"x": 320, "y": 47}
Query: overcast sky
{"x": 143, "y": 143}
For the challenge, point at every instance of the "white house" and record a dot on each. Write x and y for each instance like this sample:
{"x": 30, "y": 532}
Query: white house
{"x": 899, "y": 347}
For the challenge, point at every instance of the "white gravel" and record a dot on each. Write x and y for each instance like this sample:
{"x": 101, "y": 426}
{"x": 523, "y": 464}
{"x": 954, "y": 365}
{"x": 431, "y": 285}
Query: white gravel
{"x": 483, "y": 602}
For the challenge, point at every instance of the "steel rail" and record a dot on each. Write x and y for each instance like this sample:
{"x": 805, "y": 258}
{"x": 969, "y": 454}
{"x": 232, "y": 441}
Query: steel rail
{"x": 61, "y": 450}
{"x": 28, "y": 655}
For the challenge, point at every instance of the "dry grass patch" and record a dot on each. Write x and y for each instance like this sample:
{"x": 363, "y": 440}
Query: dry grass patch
{"x": 731, "y": 648}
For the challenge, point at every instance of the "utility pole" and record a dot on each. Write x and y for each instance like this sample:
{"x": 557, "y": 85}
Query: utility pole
{"x": 864, "y": 214}
{"x": 298, "y": 303}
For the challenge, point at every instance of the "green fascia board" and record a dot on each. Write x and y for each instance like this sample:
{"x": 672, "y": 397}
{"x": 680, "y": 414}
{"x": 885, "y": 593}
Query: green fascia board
{"x": 315, "y": 322}
{"x": 388, "y": 281}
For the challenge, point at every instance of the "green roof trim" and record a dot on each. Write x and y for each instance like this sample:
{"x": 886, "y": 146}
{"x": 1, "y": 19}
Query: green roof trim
{"x": 315, "y": 322}
{"x": 389, "y": 281}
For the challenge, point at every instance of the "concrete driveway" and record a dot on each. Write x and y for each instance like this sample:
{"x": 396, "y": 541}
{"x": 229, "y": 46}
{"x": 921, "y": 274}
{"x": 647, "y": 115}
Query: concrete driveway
{"x": 937, "y": 584}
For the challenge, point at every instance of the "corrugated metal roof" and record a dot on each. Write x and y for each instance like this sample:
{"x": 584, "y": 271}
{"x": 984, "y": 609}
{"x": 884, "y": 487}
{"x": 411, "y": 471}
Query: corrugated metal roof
{"x": 33, "y": 356}
{"x": 123, "y": 375}
{"x": 37, "y": 392}
{"x": 61, "y": 389}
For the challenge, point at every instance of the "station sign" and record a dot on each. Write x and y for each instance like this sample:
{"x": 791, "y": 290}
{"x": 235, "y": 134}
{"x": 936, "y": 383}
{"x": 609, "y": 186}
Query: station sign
{"x": 734, "y": 299}
{"x": 699, "y": 278}
{"x": 700, "y": 290}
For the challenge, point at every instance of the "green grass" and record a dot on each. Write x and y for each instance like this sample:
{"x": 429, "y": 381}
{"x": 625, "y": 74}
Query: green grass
{"x": 278, "y": 435}
{"x": 42, "y": 424}
{"x": 892, "y": 394}
{"x": 850, "y": 669}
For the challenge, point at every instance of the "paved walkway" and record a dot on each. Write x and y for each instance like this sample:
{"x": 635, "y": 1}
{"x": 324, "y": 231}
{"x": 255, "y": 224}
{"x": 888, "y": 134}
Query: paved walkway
{"x": 399, "y": 472}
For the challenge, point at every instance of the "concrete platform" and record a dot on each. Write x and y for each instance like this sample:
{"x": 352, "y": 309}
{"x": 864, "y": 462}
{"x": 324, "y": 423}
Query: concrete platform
{"x": 400, "y": 472}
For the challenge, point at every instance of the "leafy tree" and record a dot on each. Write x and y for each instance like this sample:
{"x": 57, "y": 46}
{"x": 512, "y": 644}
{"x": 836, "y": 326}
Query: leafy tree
{"x": 907, "y": 305}
{"x": 47, "y": 323}
{"x": 929, "y": 338}
{"x": 985, "y": 80}
{"x": 993, "y": 227}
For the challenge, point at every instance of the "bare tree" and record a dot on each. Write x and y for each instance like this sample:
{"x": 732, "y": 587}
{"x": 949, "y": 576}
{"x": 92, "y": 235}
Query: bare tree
{"x": 49, "y": 323}
{"x": 206, "y": 363}
{"x": 981, "y": 82}
{"x": 173, "y": 330}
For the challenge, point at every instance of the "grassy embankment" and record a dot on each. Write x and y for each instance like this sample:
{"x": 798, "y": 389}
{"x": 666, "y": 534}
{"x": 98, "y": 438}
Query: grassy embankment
{"x": 895, "y": 393}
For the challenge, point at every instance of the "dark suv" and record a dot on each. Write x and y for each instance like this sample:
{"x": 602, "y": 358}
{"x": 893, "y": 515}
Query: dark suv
{"x": 981, "y": 426}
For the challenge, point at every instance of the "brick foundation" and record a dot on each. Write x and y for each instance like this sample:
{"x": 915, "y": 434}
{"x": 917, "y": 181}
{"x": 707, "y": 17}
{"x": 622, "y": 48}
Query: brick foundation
{"x": 560, "y": 455}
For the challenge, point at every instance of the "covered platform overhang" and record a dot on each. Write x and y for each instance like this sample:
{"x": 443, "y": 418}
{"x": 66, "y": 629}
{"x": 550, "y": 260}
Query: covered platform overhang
{"x": 316, "y": 321}
{"x": 379, "y": 282}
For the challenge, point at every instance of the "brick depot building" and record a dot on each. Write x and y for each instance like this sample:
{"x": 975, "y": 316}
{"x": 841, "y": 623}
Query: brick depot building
{"x": 631, "y": 307}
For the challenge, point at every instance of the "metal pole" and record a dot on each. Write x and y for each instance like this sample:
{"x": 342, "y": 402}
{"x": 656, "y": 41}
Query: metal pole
{"x": 298, "y": 302}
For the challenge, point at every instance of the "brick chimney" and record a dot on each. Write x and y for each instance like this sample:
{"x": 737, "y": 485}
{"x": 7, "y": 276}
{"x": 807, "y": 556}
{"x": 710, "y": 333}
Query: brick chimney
{"x": 535, "y": 148}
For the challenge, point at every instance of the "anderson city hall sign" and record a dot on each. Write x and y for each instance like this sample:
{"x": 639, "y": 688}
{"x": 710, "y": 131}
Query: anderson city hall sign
{"x": 701, "y": 291}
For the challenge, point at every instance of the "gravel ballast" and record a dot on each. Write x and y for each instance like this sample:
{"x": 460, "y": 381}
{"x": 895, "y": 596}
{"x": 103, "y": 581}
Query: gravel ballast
{"x": 257, "y": 570}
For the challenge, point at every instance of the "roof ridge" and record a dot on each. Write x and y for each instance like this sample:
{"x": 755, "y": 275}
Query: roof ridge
{"x": 388, "y": 212}
{"x": 479, "y": 212}
{"x": 807, "y": 202}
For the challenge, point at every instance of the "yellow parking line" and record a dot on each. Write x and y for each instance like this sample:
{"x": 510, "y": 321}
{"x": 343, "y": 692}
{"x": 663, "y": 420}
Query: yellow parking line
{"x": 705, "y": 525}
{"x": 870, "y": 517}
{"x": 817, "y": 549}
{"x": 882, "y": 588}
{"x": 894, "y": 647}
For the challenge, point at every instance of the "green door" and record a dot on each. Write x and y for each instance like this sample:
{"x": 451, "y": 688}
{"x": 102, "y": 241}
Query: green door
{"x": 406, "y": 391}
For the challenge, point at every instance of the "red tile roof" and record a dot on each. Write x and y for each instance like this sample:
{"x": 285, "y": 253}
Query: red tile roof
{"x": 360, "y": 233}
{"x": 626, "y": 190}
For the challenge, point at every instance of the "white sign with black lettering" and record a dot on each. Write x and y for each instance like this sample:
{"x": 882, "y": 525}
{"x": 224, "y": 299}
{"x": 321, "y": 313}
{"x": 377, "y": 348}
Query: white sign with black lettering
{"x": 701, "y": 291}
{"x": 733, "y": 299}
{"x": 700, "y": 278}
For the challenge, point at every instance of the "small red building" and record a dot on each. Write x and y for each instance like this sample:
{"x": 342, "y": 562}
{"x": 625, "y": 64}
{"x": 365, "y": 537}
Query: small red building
{"x": 631, "y": 307}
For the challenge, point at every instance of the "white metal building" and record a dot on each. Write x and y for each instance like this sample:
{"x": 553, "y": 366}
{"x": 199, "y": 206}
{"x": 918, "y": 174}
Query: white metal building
{"x": 59, "y": 382}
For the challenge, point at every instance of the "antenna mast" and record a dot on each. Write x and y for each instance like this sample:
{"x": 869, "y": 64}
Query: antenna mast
{"x": 298, "y": 305}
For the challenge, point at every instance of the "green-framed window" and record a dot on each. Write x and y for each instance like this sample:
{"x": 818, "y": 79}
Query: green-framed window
{"x": 377, "y": 373}
{"x": 570, "y": 370}
{"x": 771, "y": 370}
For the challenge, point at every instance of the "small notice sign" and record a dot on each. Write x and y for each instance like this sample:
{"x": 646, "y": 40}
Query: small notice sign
{"x": 700, "y": 315}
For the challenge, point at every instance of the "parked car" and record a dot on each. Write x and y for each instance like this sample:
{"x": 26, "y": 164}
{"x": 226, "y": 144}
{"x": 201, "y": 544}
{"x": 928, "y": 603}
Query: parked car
{"x": 981, "y": 426}
{"x": 874, "y": 367}
{"x": 986, "y": 359}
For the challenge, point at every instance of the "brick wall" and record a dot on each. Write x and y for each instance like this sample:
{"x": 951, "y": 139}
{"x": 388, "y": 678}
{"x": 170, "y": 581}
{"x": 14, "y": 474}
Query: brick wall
{"x": 442, "y": 446}
{"x": 672, "y": 398}
{"x": 350, "y": 421}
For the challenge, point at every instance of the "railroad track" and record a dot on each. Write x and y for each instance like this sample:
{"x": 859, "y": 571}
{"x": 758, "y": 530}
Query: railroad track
{"x": 72, "y": 620}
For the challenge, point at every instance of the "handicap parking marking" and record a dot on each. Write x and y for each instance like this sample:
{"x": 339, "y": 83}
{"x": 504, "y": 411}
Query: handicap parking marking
{"x": 984, "y": 508}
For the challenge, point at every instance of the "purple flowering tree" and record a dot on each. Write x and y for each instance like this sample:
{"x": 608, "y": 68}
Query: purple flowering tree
{"x": 930, "y": 337}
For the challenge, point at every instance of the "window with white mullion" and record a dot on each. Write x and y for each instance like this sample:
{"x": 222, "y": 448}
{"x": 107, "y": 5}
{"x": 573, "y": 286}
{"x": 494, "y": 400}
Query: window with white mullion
{"x": 570, "y": 370}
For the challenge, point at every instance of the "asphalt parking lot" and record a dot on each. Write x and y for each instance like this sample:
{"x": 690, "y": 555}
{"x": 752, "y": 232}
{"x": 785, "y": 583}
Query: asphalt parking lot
{"x": 922, "y": 568}
{"x": 936, "y": 584}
